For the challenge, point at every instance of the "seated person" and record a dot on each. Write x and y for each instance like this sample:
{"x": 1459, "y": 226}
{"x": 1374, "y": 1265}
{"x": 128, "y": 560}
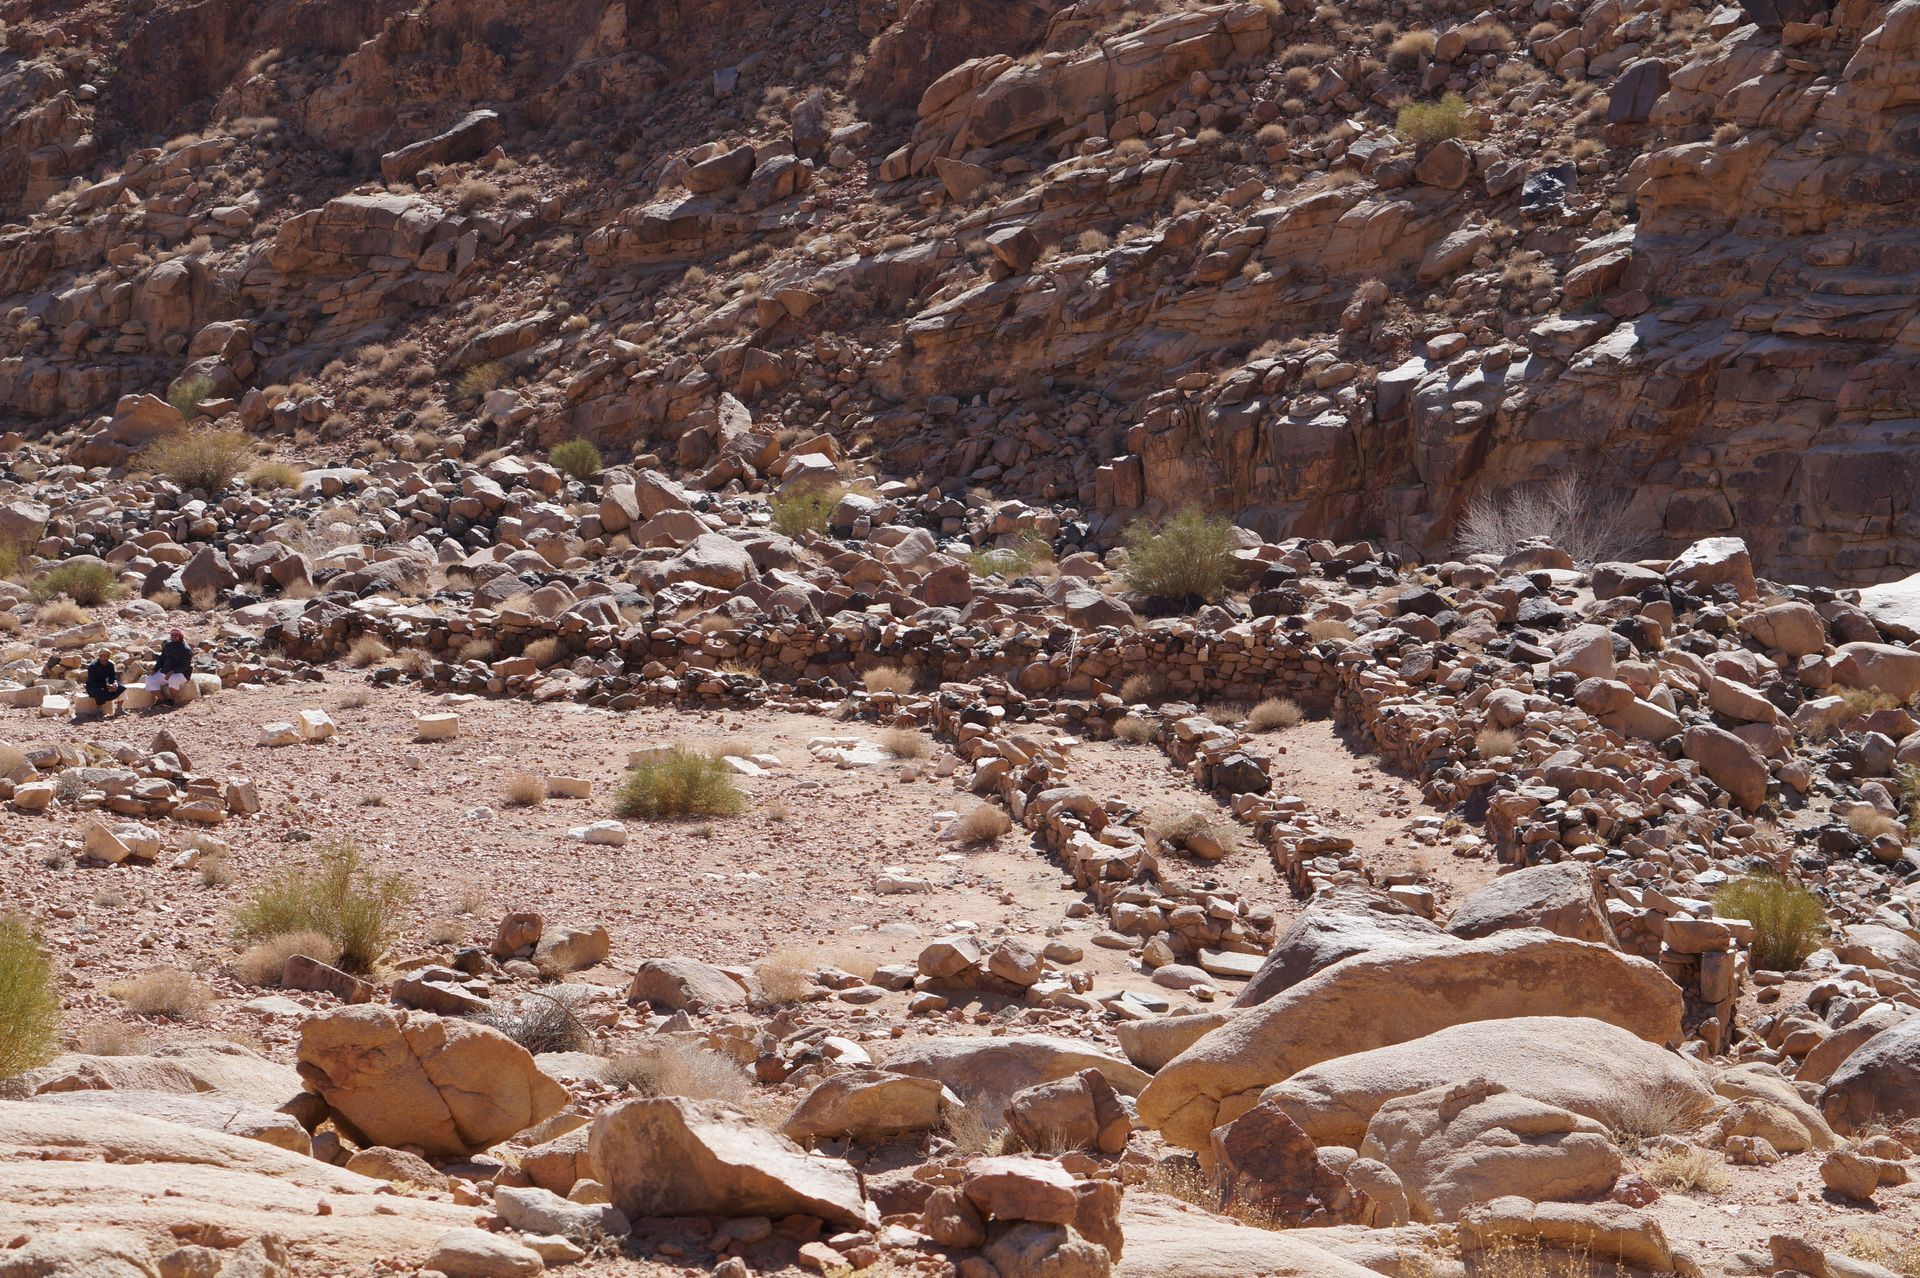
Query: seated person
{"x": 173, "y": 666}
{"x": 103, "y": 683}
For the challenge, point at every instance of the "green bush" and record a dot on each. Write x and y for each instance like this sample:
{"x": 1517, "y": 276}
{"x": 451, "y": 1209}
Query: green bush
{"x": 1188, "y": 557}
{"x": 804, "y": 511}
{"x": 478, "y": 380}
{"x": 187, "y": 396}
{"x": 84, "y": 583}
{"x": 336, "y": 895}
{"x": 203, "y": 460}
{"x": 680, "y": 783}
{"x": 577, "y": 458}
{"x": 1788, "y": 921}
{"x": 29, "y": 1008}
{"x": 1425, "y": 123}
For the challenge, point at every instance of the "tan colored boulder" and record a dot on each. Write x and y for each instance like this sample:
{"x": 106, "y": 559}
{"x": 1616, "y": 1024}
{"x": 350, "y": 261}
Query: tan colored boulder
{"x": 1078, "y": 1112}
{"x": 218, "y": 1071}
{"x": 1875, "y": 945}
{"x": 561, "y": 1163}
{"x": 1763, "y": 1083}
{"x": 683, "y": 983}
{"x": 986, "y": 1072}
{"x": 1370, "y": 1001}
{"x": 1167, "y": 1238}
{"x": 1265, "y": 1163}
{"x": 1791, "y": 628}
{"x": 869, "y": 1105}
{"x": 1561, "y": 897}
{"x": 1150, "y": 1044}
{"x": 475, "y": 1253}
{"x": 1729, "y": 762}
{"x": 665, "y": 1156}
{"x": 1336, "y": 925}
{"x": 230, "y": 1115}
{"x": 1465, "y": 1143}
{"x": 1572, "y": 1062}
{"x": 67, "y": 1168}
{"x": 1818, "y": 1065}
{"x": 1883, "y": 667}
{"x": 1714, "y": 561}
{"x": 1878, "y": 1083}
{"x": 448, "y": 1087}
{"x": 1599, "y": 1231}
{"x": 82, "y": 1253}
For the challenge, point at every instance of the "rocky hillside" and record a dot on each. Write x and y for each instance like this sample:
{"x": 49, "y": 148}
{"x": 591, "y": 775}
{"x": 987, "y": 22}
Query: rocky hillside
{"x": 1118, "y": 257}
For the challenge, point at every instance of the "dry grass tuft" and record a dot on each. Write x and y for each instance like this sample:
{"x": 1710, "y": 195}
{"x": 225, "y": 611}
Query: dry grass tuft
{"x": 675, "y": 1068}
{"x": 524, "y": 790}
{"x": 905, "y": 743}
{"x": 1640, "y": 1115}
{"x": 542, "y": 652}
{"x": 985, "y": 823}
{"x": 270, "y": 475}
{"x": 61, "y": 613}
{"x": 1689, "y": 1169}
{"x": 1133, "y": 730}
{"x": 1902, "y": 1255}
{"x": 1496, "y": 743}
{"x": 1321, "y": 629}
{"x": 166, "y": 992}
{"x": 367, "y": 650}
{"x": 262, "y": 963}
{"x": 111, "y": 1038}
{"x": 1870, "y": 823}
{"x": 890, "y": 679}
{"x": 205, "y": 460}
{"x": 1144, "y": 686}
{"x": 1273, "y": 714}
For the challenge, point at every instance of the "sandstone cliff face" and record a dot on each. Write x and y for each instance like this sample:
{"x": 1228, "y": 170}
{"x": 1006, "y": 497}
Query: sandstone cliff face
{"x": 1116, "y": 258}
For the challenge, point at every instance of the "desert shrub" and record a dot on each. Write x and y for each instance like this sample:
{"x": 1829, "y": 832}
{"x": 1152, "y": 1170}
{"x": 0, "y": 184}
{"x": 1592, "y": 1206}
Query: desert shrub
{"x": 905, "y": 743}
{"x": 29, "y": 1007}
{"x": 1133, "y": 730}
{"x": 524, "y": 790}
{"x": 1495, "y": 743}
{"x": 1425, "y": 123}
{"x": 1902, "y": 1255}
{"x": 1788, "y": 921}
{"x": 337, "y": 895}
{"x": 787, "y": 977}
{"x": 1858, "y": 703}
{"x": 215, "y": 872}
{"x": 577, "y": 458}
{"x": 1144, "y": 686}
{"x": 1410, "y": 50}
{"x": 984, "y": 823}
{"x": 1180, "y": 825}
{"x": 87, "y": 584}
{"x": 1321, "y": 629}
{"x": 681, "y": 782}
{"x": 367, "y": 650}
{"x": 187, "y": 396}
{"x": 544, "y": 651}
{"x": 1273, "y": 714}
{"x": 1909, "y": 782}
{"x": 541, "y": 1022}
{"x": 478, "y": 380}
{"x": 1689, "y": 1169}
{"x": 674, "y": 1068}
{"x": 269, "y": 475}
{"x": 887, "y": 679}
{"x": 165, "y": 992}
{"x": 203, "y": 460}
{"x": 1567, "y": 511}
{"x": 1187, "y": 557}
{"x": 806, "y": 510}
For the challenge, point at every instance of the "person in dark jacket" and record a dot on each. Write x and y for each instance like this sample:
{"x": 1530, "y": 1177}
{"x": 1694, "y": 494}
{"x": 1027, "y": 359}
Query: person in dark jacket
{"x": 103, "y": 683}
{"x": 173, "y": 666}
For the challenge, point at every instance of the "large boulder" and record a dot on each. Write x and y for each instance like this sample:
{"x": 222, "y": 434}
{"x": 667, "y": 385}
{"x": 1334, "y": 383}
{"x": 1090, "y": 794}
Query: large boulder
{"x": 1373, "y": 1000}
{"x": 1729, "y": 762}
{"x": 1894, "y": 606}
{"x": 1583, "y": 1232}
{"x": 1167, "y": 1238}
{"x": 1876, "y": 945}
{"x": 1791, "y": 628}
{"x": 68, "y": 1168}
{"x": 1338, "y": 925}
{"x": 1572, "y": 1062}
{"x": 1081, "y": 1111}
{"x": 1561, "y": 897}
{"x": 869, "y": 1105}
{"x": 1715, "y": 561}
{"x": 1878, "y": 1083}
{"x": 711, "y": 559}
{"x": 986, "y": 1073}
{"x": 1883, "y": 667}
{"x": 448, "y": 1087}
{"x": 679, "y": 984}
{"x": 1265, "y": 1163}
{"x": 667, "y": 1156}
{"x": 217, "y": 1071}
{"x": 1464, "y": 1143}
